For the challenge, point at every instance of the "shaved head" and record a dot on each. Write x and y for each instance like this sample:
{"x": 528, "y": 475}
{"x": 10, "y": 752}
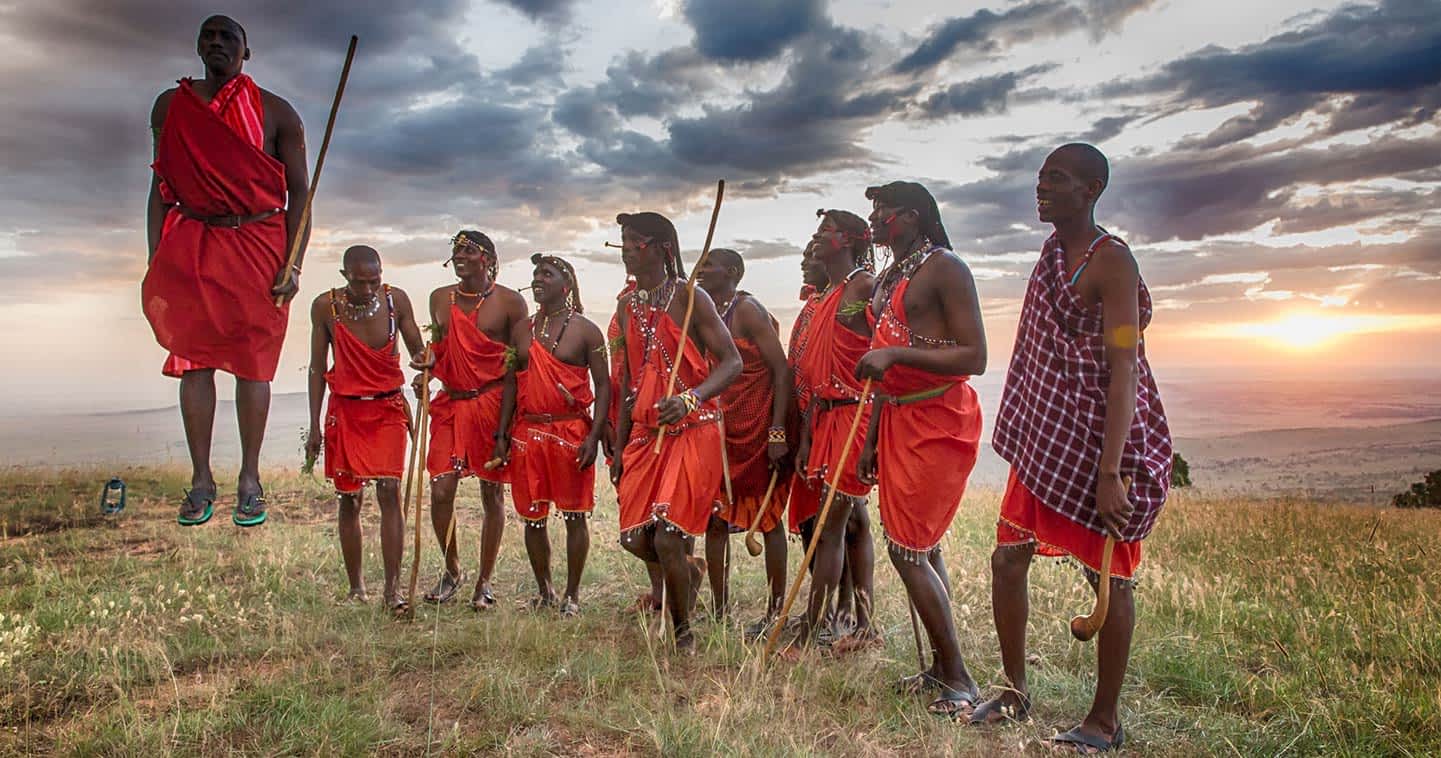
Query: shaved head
{"x": 1088, "y": 162}
{"x": 221, "y": 19}
{"x": 728, "y": 258}
{"x": 358, "y": 256}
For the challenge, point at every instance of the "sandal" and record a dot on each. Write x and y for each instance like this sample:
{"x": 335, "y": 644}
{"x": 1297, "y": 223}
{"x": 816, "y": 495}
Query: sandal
{"x": 997, "y": 711}
{"x": 1081, "y": 741}
{"x": 399, "y": 607}
{"x": 445, "y": 589}
{"x": 953, "y": 703}
{"x": 570, "y": 608}
{"x": 537, "y": 603}
{"x": 250, "y": 510}
{"x": 856, "y": 642}
{"x": 915, "y": 684}
{"x": 482, "y": 600}
{"x": 194, "y": 513}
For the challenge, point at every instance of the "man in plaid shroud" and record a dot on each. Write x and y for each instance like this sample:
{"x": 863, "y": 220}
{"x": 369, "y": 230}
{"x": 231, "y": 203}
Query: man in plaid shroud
{"x": 1080, "y": 414}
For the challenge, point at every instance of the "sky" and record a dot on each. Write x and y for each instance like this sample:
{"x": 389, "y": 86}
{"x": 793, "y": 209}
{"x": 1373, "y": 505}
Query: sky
{"x": 1275, "y": 166}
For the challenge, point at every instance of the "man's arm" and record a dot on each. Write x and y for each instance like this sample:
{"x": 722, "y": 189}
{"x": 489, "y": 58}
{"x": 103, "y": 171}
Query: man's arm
{"x": 858, "y": 290}
{"x": 290, "y": 149}
{"x": 712, "y": 337}
{"x": 754, "y": 323}
{"x": 948, "y": 281}
{"x": 519, "y": 342}
{"x": 409, "y": 332}
{"x": 315, "y": 376}
{"x": 155, "y": 209}
{"x": 600, "y": 377}
{"x": 622, "y": 417}
{"x": 1118, "y": 284}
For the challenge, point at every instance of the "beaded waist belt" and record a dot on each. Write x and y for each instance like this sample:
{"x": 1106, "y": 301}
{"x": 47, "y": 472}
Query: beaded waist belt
{"x": 232, "y": 221}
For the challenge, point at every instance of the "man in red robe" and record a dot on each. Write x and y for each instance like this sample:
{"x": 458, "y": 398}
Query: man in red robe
{"x": 1080, "y": 415}
{"x": 837, "y": 336}
{"x": 754, "y": 411}
{"x": 922, "y": 444}
{"x": 666, "y": 496}
{"x": 225, "y": 204}
{"x": 481, "y": 338}
{"x": 367, "y": 421}
{"x": 555, "y": 438}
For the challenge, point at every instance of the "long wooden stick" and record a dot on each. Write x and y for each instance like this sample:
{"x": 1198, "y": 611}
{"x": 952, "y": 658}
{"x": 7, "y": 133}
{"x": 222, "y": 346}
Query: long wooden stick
{"x": 720, "y": 191}
{"x": 753, "y": 543}
{"x": 300, "y": 229}
{"x": 1084, "y": 628}
{"x": 820, "y": 524}
{"x": 415, "y": 475}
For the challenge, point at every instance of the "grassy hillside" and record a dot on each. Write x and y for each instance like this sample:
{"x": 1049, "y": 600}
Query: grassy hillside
{"x": 1283, "y": 628}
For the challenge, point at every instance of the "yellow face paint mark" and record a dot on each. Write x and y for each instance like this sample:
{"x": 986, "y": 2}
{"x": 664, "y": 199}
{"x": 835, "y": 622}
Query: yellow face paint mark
{"x": 1125, "y": 337}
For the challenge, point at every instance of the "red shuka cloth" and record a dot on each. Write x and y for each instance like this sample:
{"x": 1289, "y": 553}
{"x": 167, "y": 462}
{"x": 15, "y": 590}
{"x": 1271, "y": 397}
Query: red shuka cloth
{"x": 677, "y": 486}
{"x": 206, "y": 293}
{"x": 803, "y": 503}
{"x": 925, "y": 450}
{"x": 747, "y": 405}
{"x": 364, "y": 439}
{"x": 461, "y": 431}
{"x": 827, "y": 369}
{"x": 543, "y": 471}
{"x": 1026, "y": 520}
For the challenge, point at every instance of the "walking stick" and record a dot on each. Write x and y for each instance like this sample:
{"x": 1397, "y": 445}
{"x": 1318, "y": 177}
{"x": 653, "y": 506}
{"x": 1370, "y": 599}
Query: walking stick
{"x": 820, "y": 524}
{"x": 720, "y": 191}
{"x": 753, "y": 543}
{"x": 417, "y": 460}
{"x": 287, "y": 274}
{"x": 1083, "y": 628}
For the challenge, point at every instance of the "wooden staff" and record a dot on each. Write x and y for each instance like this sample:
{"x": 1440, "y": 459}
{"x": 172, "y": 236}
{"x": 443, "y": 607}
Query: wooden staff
{"x": 820, "y": 523}
{"x": 720, "y": 191}
{"x": 417, "y": 463}
{"x": 753, "y": 543}
{"x": 300, "y": 230}
{"x": 1084, "y": 628}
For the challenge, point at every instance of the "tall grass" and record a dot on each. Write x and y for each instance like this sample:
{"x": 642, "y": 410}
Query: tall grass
{"x": 1264, "y": 629}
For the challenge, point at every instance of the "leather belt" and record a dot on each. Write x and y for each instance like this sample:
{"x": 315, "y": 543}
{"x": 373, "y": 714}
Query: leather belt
{"x": 551, "y": 418}
{"x": 232, "y": 221}
{"x": 379, "y": 396}
{"x": 827, "y": 404}
{"x": 475, "y": 393}
{"x": 916, "y": 397}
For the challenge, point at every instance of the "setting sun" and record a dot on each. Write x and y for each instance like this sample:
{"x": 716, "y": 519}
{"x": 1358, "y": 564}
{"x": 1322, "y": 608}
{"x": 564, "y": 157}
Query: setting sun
{"x": 1313, "y": 331}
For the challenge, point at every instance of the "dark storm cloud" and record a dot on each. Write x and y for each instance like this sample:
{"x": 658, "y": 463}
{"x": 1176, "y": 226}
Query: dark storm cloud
{"x": 750, "y": 30}
{"x": 980, "y": 96}
{"x": 1362, "y": 66}
{"x": 549, "y": 11}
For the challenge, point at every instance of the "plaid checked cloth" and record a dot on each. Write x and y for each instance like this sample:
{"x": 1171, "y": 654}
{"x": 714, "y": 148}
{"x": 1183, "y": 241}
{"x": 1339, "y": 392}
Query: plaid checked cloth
{"x": 1053, "y": 411}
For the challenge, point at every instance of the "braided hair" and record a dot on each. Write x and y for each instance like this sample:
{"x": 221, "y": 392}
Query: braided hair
{"x": 857, "y": 234}
{"x": 567, "y": 272}
{"x": 473, "y": 239}
{"x": 660, "y": 230}
{"x": 913, "y": 196}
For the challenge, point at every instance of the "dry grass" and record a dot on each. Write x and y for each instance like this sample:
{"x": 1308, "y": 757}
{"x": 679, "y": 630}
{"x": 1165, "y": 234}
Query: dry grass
{"x": 1264, "y": 629}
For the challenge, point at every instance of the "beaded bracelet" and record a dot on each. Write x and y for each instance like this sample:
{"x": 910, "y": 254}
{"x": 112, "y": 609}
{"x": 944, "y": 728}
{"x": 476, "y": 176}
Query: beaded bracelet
{"x": 776, "y": 435}
{"x": 692, "y": 402}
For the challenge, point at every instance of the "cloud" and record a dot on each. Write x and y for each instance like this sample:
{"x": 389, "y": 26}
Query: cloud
{"x": 554, "y": 12}
{"x": 750, "y": 30}
{"x": 1362, "y": 66}
{"x": 766, "y": 250}
{"x": 985, "y": 95}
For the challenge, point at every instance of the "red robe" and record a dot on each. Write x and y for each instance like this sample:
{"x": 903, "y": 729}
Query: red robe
{"x": 365, "y": 435}
{"x": 827, "y": 367}
{"x": 747, "y": 404}
{"x": 925, "y": 449}
{"x": 207, "y": 290}
{"x": 678, "y": 485}
{"x": 462, "y": 429}
{"x": 549, "y": 431}
{"x": 804, "y": 502}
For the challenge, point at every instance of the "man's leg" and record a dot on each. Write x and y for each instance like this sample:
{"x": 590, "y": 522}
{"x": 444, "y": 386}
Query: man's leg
{"x": 252, "y": 408}
{"x": 1113, "y": 652}
{"x": 775, "y": 542}
{"x": 641, "y": 544}
{"x": 392, "y": 536}
{"x": 926, "y": 590}
{"x": 492, "y": 499}
{"x": 861, "y": 560}
{"x": 577, "y": 548}
{"x": 1010, "y": 606}
{"x": 348, "y": 524}
{"x": 537, "y": 548}
{"x": 717, "y": 537}
{"x": 674, "y": 549}
{"x": 442, "y": 513}
{"x": 829, "y": 554}
{"x": 197, "y": 412}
